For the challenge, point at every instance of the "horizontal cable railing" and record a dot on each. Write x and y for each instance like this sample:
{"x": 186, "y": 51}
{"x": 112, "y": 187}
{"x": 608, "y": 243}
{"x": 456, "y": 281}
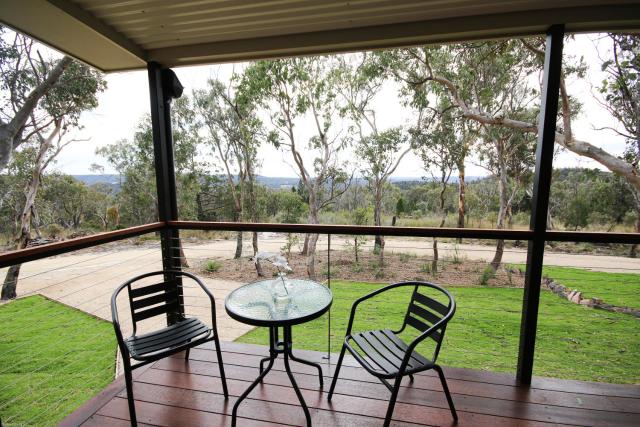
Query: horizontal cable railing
{"x": 51, "y": 249}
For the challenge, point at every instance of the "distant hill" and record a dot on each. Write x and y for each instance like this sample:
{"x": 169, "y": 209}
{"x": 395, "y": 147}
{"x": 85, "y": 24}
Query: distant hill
{"x": 274, "y": 182}
{"x": 95, "y": 179}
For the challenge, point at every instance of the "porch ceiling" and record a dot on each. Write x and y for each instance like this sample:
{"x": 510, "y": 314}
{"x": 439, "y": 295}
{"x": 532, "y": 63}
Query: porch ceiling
{"x": 115, "y": 35}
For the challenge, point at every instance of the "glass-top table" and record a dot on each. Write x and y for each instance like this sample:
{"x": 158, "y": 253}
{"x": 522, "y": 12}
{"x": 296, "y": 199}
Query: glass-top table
{"x": 256, "y": 304}
{"x": 274, "y": 305}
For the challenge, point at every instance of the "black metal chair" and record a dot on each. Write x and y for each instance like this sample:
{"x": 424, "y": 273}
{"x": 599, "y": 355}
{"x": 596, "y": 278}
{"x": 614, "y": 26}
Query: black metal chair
{"x": 385, "y": 355}
{"x": 161, "y": 298}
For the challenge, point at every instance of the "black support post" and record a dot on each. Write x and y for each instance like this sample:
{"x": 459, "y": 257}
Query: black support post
{"x": 540, "y": 201}
{"x": 162, "y": 89}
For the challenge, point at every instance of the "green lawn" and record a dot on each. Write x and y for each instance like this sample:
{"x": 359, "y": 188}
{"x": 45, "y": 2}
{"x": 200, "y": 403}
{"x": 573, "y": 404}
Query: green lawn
{"x": 52, "y": 359}
{"x": 573, "y": 341}
{"x": 622, "y": 289}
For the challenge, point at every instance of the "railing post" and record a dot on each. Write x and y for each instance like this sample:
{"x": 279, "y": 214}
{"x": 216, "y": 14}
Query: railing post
{"x": 540, "y": 201}
{"x": 164, "y": 86}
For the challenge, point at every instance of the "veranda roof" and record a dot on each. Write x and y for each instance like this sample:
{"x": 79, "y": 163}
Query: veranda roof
{"x": 116, "y": 35}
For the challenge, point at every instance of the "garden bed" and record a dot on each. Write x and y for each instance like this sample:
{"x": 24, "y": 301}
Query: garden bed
{"x": 452, "y": 271}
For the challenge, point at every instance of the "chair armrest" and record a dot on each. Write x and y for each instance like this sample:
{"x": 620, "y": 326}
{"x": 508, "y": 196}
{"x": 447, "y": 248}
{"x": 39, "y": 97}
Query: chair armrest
{"x": 206, "y": 291}
{"x": 371, "y": 295}
{"x": 116, "y": 320}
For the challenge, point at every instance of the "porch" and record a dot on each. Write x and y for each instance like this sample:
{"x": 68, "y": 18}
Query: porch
{"x": 174, "y": 392}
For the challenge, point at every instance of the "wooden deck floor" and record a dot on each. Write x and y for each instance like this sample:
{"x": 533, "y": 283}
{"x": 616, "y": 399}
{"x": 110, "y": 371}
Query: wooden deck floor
{"x": 172, "y": 392}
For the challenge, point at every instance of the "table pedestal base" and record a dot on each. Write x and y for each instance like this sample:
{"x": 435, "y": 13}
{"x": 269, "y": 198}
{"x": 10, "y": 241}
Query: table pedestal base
{"x": 277, "y": 347}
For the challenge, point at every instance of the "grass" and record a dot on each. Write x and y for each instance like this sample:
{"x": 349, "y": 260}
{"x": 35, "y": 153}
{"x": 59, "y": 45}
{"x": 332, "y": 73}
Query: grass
{"x": 622, "y": 289}
{"x": 574, "y": 342}
{"x": 52, "y": 359}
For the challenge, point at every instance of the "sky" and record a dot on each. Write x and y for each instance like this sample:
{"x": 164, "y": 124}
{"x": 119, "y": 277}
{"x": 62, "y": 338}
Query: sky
{"x": 126, "y": 101}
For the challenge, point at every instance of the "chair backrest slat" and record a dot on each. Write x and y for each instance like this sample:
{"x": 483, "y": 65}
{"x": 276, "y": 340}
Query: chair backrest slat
{"x": 421, "y": 326}
{"x": 431, "y": 318}
{"x": 148, "y": 290}
{"x": 431, "y": 303}
{"x": 160, "y": 309}
{"x": 424, "y": 312}
{"x": 149, "y": 300}
{"x": 164, "y": 297}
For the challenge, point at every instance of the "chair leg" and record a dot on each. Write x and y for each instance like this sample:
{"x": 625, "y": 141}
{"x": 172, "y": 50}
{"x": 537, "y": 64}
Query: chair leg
{"x": 392, "y": 400}
{"x": 336, "y": 372}
{"x": 186, "y": 354}
{"x": 221, "y": 367}
{"x": 128, "y": 379}
{"x": 443, "y": 381}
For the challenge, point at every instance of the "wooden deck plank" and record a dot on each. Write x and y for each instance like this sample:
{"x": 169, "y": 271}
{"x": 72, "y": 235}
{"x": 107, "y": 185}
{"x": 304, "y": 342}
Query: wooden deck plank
{"x": 430, "y": 382}
{"x": 498, "y": 378}
{"x": 356, "y": 395}
{"x": 102, "y": 421}
{"x": 358, "y": 378}
{"x": 174, "y": 392}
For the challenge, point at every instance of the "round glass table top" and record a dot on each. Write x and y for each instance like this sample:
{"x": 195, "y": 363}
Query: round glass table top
{"x": 271, "y": 303}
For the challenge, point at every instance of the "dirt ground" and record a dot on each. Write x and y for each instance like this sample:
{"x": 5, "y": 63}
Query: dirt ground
{"x": 397, "y": 267}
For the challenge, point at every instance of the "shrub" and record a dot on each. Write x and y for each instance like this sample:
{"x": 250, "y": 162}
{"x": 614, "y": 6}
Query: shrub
{"x": 425, "y": 268}
{"x": 486, "y": 275}
{"x": 404, "y": 257}
{"x": 211, "y": 266}
{"x": 334, "y": 272}
{"x": 457, "y": 258}
{"x": 54, "y": 231}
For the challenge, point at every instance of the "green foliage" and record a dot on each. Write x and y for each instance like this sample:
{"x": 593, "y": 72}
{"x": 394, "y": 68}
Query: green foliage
{"x": 359, "y": 216}
{"x": 335, "y": 272}
{"x": 457, "y": 258}
{"x": 211, "y": 266}
{"x": 292, "y": 240}
{"x": 404, "y": 257}
{"x": 57, "y": 359}
{"x": 487, "y": 274}
{"x": 425, "y": 268}
{"x": 54, "y": 231}
{"x": 400, "y": 206}
{"x": 621, "y": 89}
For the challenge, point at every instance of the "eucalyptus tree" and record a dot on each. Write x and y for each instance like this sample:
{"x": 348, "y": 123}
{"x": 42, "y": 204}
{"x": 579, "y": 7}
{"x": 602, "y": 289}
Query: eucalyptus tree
{"x": 481, "y": 80}
{"x": 136, "y": 200}
{"x": 411, "y": 67}
{"x": 621, "y": 92}
{"x": 297, "y": 91}
{"x": 25, "y": 78}
{"x": 235, "y": 132}
{"x": 509, "y": 156}
{"x": 379, "y": 151}
{"x": 440, "y": 149}
{"x": 133, "y": 159}
{"x": 53, "y": 121}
